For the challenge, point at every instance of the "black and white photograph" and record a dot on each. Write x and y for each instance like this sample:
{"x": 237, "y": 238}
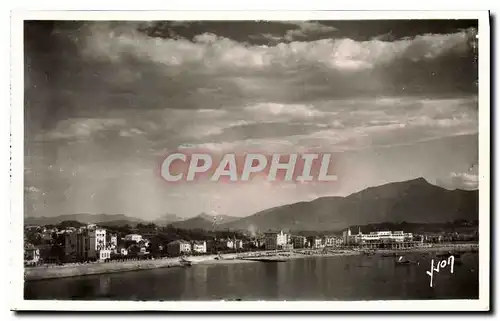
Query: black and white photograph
{"x": 329, "y": 157}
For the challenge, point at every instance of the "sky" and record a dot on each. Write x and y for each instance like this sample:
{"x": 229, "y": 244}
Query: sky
{"x": 105, "y": 101}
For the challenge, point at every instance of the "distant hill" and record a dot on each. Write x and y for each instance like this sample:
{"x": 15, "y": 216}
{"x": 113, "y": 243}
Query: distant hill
{"x": 205, "y": 222}
{"x": 107, "y": 219}
{"x": 459, "y": 226}
{"x": 167, "y": 219}
{"x": 411, "y": 201}
{"x": 219, "y": 219}
{"x": 65, "y": 224}
{"x": 419, "y": 228}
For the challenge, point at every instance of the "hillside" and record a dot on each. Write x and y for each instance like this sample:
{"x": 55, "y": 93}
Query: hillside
{"x": 411, "y": 201}
{"x": 167, "y": 219}
{"x": 219, "y": 219}
{"x": 108, "y": 219}
{"x": 205, "y": 222}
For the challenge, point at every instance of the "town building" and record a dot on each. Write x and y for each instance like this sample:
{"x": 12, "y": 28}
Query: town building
{"x": 133, "y": 237}
{"x": 258, "y": 243}
{"x": 317, "y": 243}
{"x": 178, "y": 247}
{"x": 299, "y": 242}
{"x": 199, "y": 246}
{"x": 228, "y": 243}
{"x": 112, "y": 241}
{"x": 238, "y": 244}
{"x": 32, "y": 228}
{"x": 31, "y": 255}
{"x": 85, "y": 244}
{"x": 72, "y": 247}
{"x": 379, "y": 239}
{"x": 332, "y": 241}
{"x": 103, "y": 255}
{"x": 275, "y": 240}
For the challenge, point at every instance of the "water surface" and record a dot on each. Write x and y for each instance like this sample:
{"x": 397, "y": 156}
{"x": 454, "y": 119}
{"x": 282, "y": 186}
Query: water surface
{"x": 312, "y": 278}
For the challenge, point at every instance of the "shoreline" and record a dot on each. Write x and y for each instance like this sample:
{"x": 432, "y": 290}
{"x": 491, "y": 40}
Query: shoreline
{"x": 74, "y": 270}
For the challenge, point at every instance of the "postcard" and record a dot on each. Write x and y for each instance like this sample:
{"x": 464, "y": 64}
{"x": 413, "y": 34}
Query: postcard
{"x": 235, "y": 161}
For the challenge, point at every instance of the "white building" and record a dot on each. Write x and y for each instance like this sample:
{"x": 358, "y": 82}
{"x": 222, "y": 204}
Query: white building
{"x": 85, "y": 244}
{"x": 199, "y": 246}
{"x": 232, "y": 244}
{"x": 103, "y": 255}
{"x": 332, "y": 241}
{"x": 97, "y": 241}
{"x": 377, "y": 237}
{"x": 228, "y": 243}
{"x": 31, "y": 255}
{"x": 318, "y": 243}
{"x": 387, "y": 236}
{"x": 133, "y": 237}
{"x": 113, "y": 242}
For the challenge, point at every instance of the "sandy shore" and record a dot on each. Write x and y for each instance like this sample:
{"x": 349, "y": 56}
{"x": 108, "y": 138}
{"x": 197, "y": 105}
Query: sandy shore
{"x": 70, "y": 270}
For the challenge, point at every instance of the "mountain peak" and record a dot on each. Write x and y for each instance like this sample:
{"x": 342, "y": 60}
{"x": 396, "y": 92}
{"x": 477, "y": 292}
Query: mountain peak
{"x": 419, "y": 180}
{"x": 206, "y": 216}
{"x": 414, "y": 200}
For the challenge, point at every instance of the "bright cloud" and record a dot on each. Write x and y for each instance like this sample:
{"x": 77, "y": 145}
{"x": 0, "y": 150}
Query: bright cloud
{"x": 211, "y": 52}
{"x": 81, "y": 128}
{"x": 460, "y": 180}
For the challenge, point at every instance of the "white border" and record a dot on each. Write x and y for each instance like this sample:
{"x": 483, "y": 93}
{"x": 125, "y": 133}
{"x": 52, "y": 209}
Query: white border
{"x": 16, "y": 269}
{"x": 245, "y": 15}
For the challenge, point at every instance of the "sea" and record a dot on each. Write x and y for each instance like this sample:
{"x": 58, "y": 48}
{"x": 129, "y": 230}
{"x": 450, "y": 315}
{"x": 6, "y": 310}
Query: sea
{"x": 346, "y": 278}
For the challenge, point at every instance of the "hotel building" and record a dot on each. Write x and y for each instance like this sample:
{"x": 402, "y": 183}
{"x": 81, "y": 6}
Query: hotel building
{"x": 275, "y": 240}
{"x": 379, "y": 239}
{"x": 86, "y": 244}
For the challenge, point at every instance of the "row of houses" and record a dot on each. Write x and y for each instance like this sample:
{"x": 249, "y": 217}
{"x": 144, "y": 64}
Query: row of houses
{"x": 93, "y": 243}
{"x": 180, "y": 247}
{"x": 87, "y": 243}
{"x": 283, "y": 241}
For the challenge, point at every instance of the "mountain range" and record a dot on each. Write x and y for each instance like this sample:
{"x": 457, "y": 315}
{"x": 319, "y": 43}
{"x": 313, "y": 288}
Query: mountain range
{"x": 108, "y": 219}
{"x": 412, "y": 201}
{"x": 415, "y": 201}
{"x": 205, "y": 222}
{"x": 167, "y": 219}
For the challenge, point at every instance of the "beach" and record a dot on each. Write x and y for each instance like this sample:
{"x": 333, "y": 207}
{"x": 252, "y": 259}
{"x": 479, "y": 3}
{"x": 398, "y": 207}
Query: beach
{"x": 75, "y": 269}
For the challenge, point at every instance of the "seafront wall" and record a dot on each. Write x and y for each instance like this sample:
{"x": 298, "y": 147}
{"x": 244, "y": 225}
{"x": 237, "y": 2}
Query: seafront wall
{"x": 68, "y": 270}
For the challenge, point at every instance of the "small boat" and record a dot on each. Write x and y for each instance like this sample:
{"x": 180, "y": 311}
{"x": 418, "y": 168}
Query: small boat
{"x": 185, "y": 262}
{"x": 403, "y": 261}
